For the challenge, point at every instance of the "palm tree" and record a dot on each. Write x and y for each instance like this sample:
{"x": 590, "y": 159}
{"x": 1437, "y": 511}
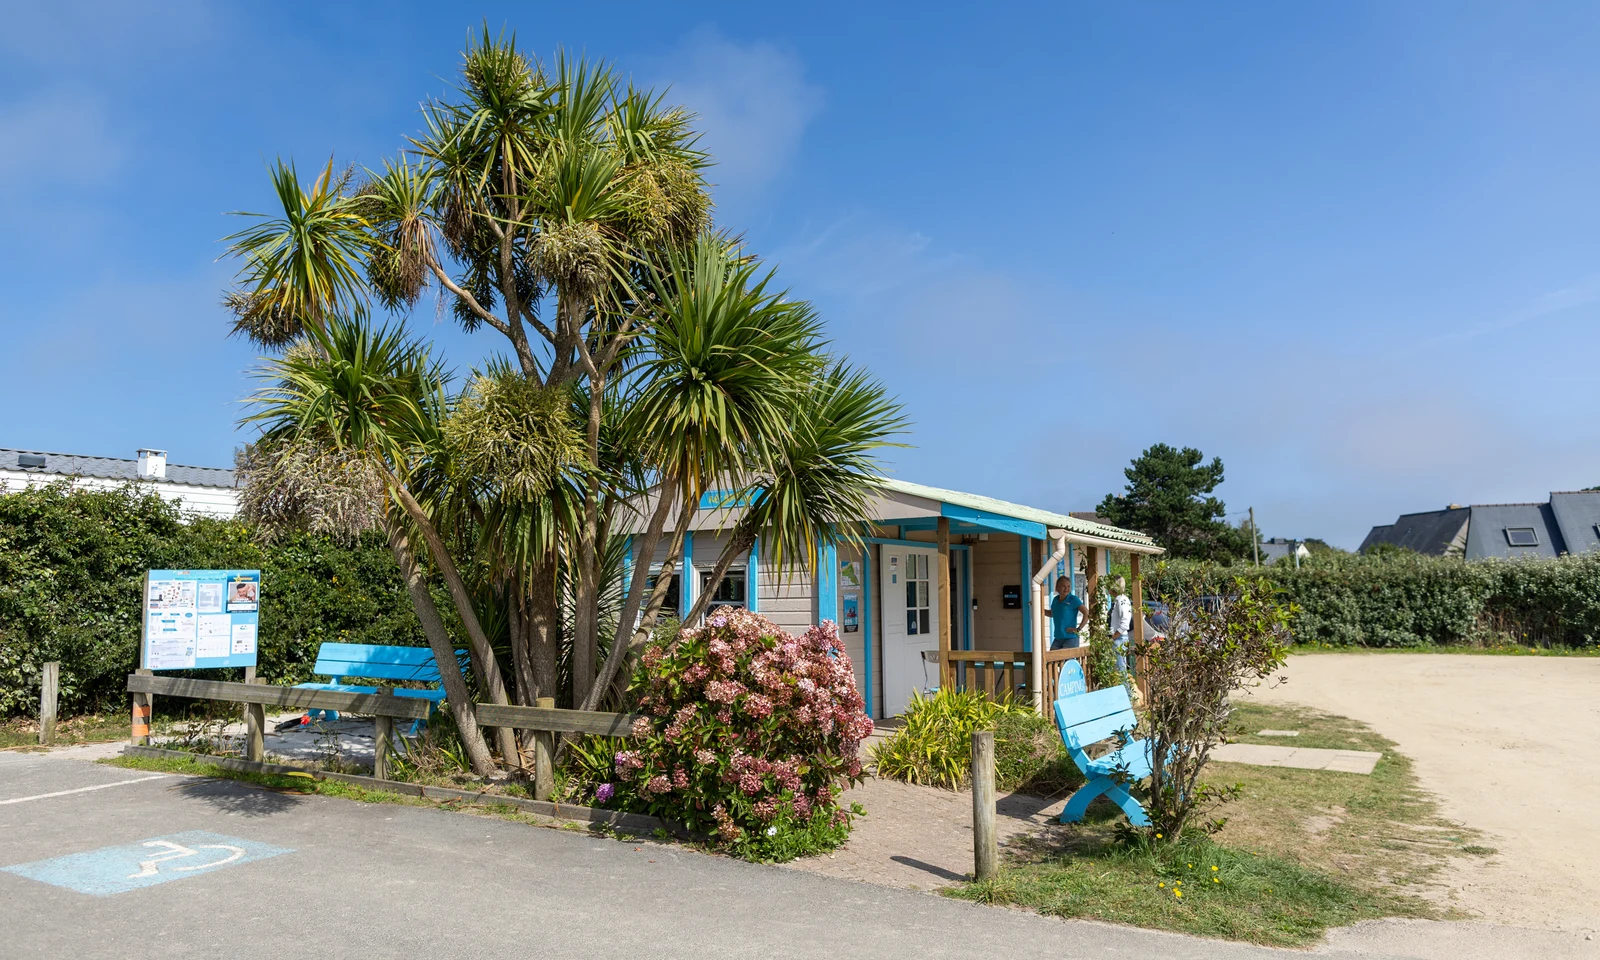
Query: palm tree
{"x": 722, "y": 364}
{"x": 817, "y": 481}
{"x": 302, "y": 266}
{"x": 376, "y": 397}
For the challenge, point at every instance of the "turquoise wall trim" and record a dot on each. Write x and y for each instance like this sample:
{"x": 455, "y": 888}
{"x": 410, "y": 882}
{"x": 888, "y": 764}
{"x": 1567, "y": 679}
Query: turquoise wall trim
{"x": 828, "y": 583}
{"x": 868, "y": 589}
{"x": 1027, "y": 593}
{"x": 686, "y": 576}
{"x": 994, "y": 521}
{"x": 924, "y": 544}
{"x": 627, "y": 562}
{"x": 752, "y": 566}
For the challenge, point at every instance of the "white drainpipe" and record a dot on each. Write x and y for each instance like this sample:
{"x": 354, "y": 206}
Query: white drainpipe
{"x": 1041, "y": 632}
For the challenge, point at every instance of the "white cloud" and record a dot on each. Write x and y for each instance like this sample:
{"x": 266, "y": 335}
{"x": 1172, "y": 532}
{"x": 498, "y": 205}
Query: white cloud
{"x": 753, "y": 100}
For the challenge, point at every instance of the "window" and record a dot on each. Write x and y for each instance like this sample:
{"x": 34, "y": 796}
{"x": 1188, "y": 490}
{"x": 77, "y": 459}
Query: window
{"x": 917, "y": 600}
{"x": 730, "y": 592}
{"x": 671, "y": 605}
{"x": 1521, "y": 537}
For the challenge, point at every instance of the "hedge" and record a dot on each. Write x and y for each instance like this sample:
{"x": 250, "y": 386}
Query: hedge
{"x": 71, "y": 566}
{"x": 1408, "y": 600}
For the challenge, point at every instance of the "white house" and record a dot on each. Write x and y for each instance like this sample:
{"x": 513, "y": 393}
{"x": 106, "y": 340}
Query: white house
{"x": 198, "y": 491}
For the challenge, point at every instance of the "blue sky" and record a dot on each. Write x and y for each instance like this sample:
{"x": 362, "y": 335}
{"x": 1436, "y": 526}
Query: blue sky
{"x": 1351, "y": 248}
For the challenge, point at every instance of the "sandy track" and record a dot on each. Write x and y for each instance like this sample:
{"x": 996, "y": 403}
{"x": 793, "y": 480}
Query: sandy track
{"x": 1511, "y": 745}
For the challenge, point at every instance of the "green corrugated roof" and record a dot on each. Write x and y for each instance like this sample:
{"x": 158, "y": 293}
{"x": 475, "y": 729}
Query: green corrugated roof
{"x": 1087, "y": 528}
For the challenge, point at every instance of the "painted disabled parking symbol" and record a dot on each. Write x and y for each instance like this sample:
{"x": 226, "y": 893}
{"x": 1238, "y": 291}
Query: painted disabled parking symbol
{"x": 146, "y": 863}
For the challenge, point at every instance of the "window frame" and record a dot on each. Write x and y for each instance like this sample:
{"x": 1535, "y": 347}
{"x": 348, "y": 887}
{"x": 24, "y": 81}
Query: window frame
{"x": 1533, "y": 534}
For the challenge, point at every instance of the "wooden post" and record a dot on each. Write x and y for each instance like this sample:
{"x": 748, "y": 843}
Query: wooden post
{"x": 947, "y": 673}
{"x": 143, "y": 707}
{"x": 1136, "y": 595}
{"x": 985, "y": 846}
{"x": 382, "y": 729}
{"x": 1091, "y": 584}
{"x": 255, "y": 717}
{"x": 49, "y": 694}
{"x": 254, "y": 721}
{"x": 544, "y": 751}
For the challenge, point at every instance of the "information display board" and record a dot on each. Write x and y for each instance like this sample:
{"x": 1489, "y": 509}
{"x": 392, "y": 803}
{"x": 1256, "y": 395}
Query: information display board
{"x": 200, "y": 619}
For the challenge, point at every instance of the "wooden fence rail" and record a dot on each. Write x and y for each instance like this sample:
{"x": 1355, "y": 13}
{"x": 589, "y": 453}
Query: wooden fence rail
{"x": 384, "y": 708}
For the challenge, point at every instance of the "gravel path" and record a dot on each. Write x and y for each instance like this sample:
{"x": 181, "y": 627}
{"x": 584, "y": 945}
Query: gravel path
{"x": 1511, "y": 745}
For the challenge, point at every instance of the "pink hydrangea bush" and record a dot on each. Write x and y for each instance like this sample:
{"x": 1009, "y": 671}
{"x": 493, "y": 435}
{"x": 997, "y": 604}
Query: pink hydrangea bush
{"x": 747, "y": 734}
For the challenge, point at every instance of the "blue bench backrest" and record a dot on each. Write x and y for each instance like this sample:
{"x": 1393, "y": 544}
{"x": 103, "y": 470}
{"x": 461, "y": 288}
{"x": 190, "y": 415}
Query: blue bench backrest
{"x": 378, "y": 662}
{"x": 1087, "y": 718}
{"x": 1071, "y": 682}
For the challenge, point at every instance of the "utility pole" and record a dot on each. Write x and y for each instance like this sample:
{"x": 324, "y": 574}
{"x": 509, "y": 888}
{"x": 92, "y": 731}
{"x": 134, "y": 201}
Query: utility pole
{"x": 1255, "y": 537}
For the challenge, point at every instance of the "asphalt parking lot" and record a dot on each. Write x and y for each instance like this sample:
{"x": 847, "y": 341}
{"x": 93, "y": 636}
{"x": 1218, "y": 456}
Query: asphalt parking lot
{"x": 105, "y": 862}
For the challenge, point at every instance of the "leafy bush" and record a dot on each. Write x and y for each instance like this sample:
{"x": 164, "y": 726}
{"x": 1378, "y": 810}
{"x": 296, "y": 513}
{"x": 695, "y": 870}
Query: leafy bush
{"x": 1219, "y": 644}
{"x": 72, "y": 563}
{"x": 1402, "y": 599}
{"x": 749, "y": 735}
{"x": 1029, "y": 756}
{"x": 935, "y": 744}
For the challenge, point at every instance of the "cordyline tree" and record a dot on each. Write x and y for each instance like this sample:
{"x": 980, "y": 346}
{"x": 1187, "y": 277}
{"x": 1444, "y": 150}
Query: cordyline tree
{"x": 566, "y": 211}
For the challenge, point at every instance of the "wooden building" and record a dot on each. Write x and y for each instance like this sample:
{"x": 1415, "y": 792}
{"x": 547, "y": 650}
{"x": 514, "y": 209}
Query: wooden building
{"x": 952, "y": 587}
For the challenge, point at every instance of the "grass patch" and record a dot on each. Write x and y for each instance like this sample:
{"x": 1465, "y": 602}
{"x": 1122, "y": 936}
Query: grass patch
{"x": 281, "y": 782}
{"x": 91, "y": 728}
{"x": 1302, "y": 851}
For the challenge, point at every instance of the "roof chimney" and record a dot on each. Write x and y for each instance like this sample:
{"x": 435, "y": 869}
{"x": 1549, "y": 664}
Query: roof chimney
{"x": 152, "y": 464}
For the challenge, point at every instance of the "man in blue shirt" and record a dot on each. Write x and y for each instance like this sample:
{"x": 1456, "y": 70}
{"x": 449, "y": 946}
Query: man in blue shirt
{"x": 1065, "y": 609}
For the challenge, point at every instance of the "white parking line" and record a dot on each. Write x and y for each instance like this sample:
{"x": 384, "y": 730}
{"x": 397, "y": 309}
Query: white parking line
{"x": 99, "y": 786}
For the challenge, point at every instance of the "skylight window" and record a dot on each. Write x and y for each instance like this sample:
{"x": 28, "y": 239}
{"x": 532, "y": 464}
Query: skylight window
{"x": 1522, "y": 537}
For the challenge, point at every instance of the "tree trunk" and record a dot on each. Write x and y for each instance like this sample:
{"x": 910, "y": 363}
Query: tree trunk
{"x": 517, "y": 627}
{"x": 625, "y": 645}
{"x": 543, "y": 628}
{"x": 644, "y": 554}
{"x": 742, "y": 540}
{"x": 484, "y": 662}
{"x": 586, "y": 583}
{"x": 444, "y": 653}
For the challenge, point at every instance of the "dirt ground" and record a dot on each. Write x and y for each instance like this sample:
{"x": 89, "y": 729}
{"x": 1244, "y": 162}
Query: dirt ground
{"x": 920, "y": 838}
{"x": 1511, "y": 746}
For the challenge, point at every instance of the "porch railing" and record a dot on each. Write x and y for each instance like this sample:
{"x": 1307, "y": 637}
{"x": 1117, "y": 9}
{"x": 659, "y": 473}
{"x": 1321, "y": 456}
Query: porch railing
{"x": 997, "y": 674}
{"x": 1054, "y": 661}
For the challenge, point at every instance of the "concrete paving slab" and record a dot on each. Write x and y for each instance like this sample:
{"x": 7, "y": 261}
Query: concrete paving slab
{"x": 1303, "y": 758}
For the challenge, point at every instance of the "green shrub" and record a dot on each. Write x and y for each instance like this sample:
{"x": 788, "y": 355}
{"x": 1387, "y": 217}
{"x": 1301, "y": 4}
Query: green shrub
{"x": 1401, "y": 599}
{"x": 935, "y": 744}
{"x": 72, "y": 563}
{"x": 1029, "y": 756}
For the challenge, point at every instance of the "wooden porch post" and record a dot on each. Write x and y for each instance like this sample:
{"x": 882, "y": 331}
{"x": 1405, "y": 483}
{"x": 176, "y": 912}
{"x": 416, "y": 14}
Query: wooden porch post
{"x": 1136, "y": 594}
{"x": 1091, "y": 583}
{"x": 946, "y": 668}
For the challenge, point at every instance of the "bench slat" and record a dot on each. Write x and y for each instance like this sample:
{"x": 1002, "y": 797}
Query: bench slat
{"x": 424, "y": 673}
{"x": 1083, "y": 707}
{"x": 1094, "y": 731}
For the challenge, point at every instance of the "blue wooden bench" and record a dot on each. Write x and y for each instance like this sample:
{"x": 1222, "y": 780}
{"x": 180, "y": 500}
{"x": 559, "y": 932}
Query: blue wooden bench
{"x": 345, "y": 661}
{"x": 1087, "y": 718}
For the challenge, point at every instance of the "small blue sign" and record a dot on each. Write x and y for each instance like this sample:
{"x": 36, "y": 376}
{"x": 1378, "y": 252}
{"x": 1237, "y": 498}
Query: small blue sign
{"x": 131, "y": 866}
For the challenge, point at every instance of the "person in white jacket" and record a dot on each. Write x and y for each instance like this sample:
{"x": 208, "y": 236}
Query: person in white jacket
{"x": 1119, "y": 620}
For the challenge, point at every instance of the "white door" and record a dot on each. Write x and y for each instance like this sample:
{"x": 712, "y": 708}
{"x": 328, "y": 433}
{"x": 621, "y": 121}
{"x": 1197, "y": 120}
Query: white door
{"x": 910, "y": 592}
